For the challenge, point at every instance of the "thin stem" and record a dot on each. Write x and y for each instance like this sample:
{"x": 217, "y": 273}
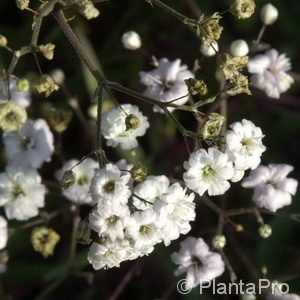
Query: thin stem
{"x": 260, "y": 34}
{"x": 172, "y": 12}
{"x": 232, "y": 274}
{"x": 66, "y": 28}
{"x": 211, "y": 205}
{"x": 98, "y": 131}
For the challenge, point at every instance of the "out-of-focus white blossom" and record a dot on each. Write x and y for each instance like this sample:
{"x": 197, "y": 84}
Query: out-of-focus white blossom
{"x": 21, "y": 193}
{"x": 208, "y": 171}
{"x": 270, "y": 73}
{"x": 31, "y": 146}
{"x": 239, "y": 48}
{"x": 272, "y": 188}
{"x": 109, "y": 185}
{"x": 21, "y": 98}
{"x": 197, "y": 261}
{"x": 175, "y": 211}
{"x": 244, "y": 146}
{"x": 166, "y": 82}
{"x": 3, "y": 232}
{"x": 79, "y": 191}
{"x": 150, "y": 190}
{"x": 131, "y": 40}
{"x": 114, "y": 126}
{"x": 268, "y": 14}
{"x": 209, "y": 50}
{"x": 109, "y": 220}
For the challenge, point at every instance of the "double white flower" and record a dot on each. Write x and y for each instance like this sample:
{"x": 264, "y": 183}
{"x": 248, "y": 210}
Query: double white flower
{"x": 114, "y": 126}
{"x": 208, "y": 171}
{"x": 272, "y": 188}
{"x": 166, "y": 82}
{"x": 21, "y": 193}
{"x": 197, "y": 261}
{"x": 31, "y": 146}
{"x": 270, "y": 73}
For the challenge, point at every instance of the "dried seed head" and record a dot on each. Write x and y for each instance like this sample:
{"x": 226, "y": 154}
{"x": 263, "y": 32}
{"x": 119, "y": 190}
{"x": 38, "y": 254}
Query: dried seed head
{"x": 139, "y": 173}
{"x": 46, "y": 85}
{"x": 243, "y": 9}
{"x": 196, "y": 86}
{"x": 12, "y": 116}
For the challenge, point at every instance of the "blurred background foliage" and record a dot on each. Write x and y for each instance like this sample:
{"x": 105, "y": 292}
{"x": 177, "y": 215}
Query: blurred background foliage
{"x": 162, "y": 149}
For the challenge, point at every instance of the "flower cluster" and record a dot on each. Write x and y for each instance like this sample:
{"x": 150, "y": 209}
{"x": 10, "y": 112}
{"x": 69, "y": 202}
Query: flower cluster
{"x": 126, "y": 228}
{"x": 27, "y": 145}
{"x": 211, "y": 170}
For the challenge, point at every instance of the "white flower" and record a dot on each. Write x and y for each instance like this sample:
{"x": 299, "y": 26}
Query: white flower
{"x": 210, "y": 49}
{"x": 195, "y": 259}
{"x": 31, "y": 146}
{"x": 166, "y": 82}
{"x": 239, "y": 48}
{"x": 131, "y": 40}
{"x": 23, "y": 99}
{"x": 114, "y": 126}
{"x": 108, "y": 254}
{"x": 79, "y": 191}
{"x": 3, "y": 232}
{"x": 109, "y": 185}
{"x": 21, "y": 193}
{"x": 175, "y": 211}
{"x": 270, "y": 73}
{"x": 143, "y": 231}
{"x": 268, "y": 14}
{"x": 150, "y": 190}
{"x": 109, "y": 220}
{"x": 272, "y": 188}
{"x": 208, "y": 171}
{"x": 244, "y": 146}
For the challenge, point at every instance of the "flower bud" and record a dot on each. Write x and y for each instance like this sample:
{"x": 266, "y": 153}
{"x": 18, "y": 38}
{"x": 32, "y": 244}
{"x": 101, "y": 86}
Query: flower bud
{"x": 12, "y": 116}
{"x": 210, "y": 50}
{"x": 44, "y": 240}
{"x": 23, "y": 85}
{"x": 139, "y": 173}
{"x": 68, "y": 179}
{"x": 196, "y": 86}
{"x": 3, "y": 41}
{"x": 22, "y": 4}
{"x": 219, "y": 241}
{"x": 268, "y": 14}
{"x": 83, "y": 233}
{"x": 89, "y": 11}
{"x": 47, "y": 50}
{"x": 239, "y": 228}
{"x": 58, "y": 76}
{"x": 265, "y": 231}
{"x": 239, "y": 48}
{"x": 46, "y": 85}
{"x": 131, "y": 40}
{"x": 132, "y": 122}
{"x": 243, "y": 9}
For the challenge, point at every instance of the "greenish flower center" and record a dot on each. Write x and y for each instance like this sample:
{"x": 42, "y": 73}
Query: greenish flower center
{"x": 24, "y": 143}
{"x": 208, "y": 171}
{"x": 109, "y": 187}
{"x": 112, "y": 220}
{"x": 82, "y": 180}
{"x": 17, "y": 191}
{"x": 144, "y": 230}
